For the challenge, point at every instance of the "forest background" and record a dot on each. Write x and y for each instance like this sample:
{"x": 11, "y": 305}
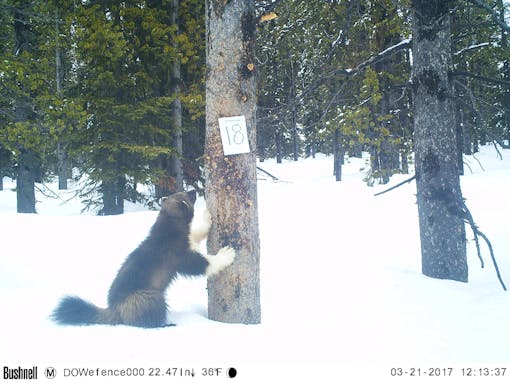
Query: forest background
{"x": 113, "y": 93}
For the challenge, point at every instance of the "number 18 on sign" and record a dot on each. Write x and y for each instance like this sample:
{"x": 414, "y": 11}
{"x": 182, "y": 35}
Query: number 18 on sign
{"x": 234, "y": 136}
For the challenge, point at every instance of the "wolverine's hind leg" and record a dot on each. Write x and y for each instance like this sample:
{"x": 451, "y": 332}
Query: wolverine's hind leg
{"x": 143, "y": 308}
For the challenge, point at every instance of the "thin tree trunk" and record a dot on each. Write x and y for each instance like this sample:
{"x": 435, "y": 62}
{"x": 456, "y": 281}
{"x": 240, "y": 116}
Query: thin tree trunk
{"x": 276, "y": 116}
{"x": 5, "y": 162}
{"x": 25, "y": 182}
{"x": 26, "y": 159}
{"x": 293, "y": 113}
{"x": 506, "y": 74}
{"x": 109, "y": 202}
{"x": 231, "y": 181}
{"x": 459, "y": 136}
{"x": 113, "y": 191}
{"x": 120, "y": 194}
{"x": 442, "y": 232}
{"x": 176, "y": 160}
{"x": 62, "y": 170}
{"x": 338, "y": 156}
{"x": 279, "y": 145}
{"x": 404, "y": 161}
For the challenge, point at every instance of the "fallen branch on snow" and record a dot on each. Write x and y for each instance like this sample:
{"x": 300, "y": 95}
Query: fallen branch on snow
{"x": 468, "y": 218}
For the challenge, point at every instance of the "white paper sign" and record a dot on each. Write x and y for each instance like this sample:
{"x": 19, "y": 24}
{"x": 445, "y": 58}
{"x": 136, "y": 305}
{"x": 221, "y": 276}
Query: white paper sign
{"x": 234, "y": 136}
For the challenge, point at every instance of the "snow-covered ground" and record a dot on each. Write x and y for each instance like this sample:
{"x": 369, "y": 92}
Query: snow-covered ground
{"x": 343, "y": 297}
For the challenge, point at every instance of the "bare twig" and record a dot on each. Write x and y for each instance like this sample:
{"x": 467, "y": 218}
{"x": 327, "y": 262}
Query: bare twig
{"x": 468, "y": 218}
{"x": 476, "y": 231}
{"x": 497, "y": 150}
{"x": 267, "y": 173}
{"x": 46, "y": 191}
{"x": 396, "y": 186}
{"x": 469, "y": 166}
{"x": 493, "y": 258}
{"x": 479, "y": 163}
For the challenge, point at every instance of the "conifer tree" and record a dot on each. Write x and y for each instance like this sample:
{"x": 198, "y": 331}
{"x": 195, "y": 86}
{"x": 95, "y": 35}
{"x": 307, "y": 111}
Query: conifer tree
{"x": 231, "y": 181}
{"x": 25, "y": 72}
{"x": 441, "y": 213}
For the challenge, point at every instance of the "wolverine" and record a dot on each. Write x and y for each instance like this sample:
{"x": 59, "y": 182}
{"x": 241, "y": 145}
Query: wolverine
{"x": 137, "y": 294}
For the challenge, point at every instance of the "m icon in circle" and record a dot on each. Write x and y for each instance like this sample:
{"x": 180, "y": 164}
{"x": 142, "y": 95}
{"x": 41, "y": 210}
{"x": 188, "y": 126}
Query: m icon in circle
{"x": 50, "y": 372}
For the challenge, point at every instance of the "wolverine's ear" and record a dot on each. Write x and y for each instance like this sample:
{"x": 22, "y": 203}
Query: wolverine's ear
{"x": 162, "y": 199}
{"x": 192, "y": 195}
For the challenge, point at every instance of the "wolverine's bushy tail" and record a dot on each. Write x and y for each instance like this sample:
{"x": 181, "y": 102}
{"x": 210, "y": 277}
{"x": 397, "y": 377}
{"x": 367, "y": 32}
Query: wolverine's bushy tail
{"x": 75, "y": 311}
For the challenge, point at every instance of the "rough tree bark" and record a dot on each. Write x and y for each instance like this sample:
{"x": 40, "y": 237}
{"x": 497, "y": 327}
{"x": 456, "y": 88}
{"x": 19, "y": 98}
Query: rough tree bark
{"x": 442, "y": 231}
{"x": 231, "y": 189}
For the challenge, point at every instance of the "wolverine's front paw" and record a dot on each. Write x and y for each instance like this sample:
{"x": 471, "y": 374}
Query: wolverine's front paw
{"x": 228, "y": 254}
{"x": 218, "y": 262}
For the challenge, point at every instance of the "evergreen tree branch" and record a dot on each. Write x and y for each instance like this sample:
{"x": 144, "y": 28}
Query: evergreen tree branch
{"x": 269, "y": 8}
{"x": 476, "y": 110}
{"x": 342, "y": 35}
{"x": 349, "y": 72}
{"x": 494, "y": 15}
{"x": 272, "y": 6}
{"x": 404, "y": 44}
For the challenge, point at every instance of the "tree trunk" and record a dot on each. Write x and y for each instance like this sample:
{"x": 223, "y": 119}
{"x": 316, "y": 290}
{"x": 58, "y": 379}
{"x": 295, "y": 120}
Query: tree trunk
{"x": 62, "y": 169}
{"x": 338, "y": 156}
{"x": 293, "y": 112}
{"x": 113, "y": 192}
{"x": 279, "y": 145}
{"x": 506, "y": 75}
{"x": 59, "y": 77}
{"x": 442, "y": 232}
{"x": 459, "y": 136}
{"x": 231, "y": 181}
{"x": 109, "y": 202}
{"x": 25, "y": 182}
{"x": 404, "y": 161}
{"x": 277, "y": 115}
{"x": 26, "y": 159}
{"x": 176, "y": 160}
{"x": 5, "y": 163}
{"x": 506, "y": 100}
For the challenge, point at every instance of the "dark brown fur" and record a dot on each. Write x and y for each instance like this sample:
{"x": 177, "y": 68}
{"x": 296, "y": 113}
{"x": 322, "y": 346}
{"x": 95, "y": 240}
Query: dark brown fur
{"x": 136, "y": 296}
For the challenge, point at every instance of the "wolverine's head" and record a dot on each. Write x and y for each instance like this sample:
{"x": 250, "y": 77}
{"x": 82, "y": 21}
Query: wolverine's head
{"x": 180, "y": 205}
